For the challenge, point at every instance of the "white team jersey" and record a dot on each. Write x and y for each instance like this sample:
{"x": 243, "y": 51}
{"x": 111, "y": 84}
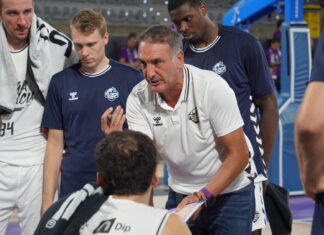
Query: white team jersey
{"x": 21, "y": 142}
{"x": 186, "y": 135}
{"x": 121, "y": 216}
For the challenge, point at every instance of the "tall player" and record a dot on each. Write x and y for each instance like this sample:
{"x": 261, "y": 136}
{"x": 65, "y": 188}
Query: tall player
{"x": 238, "y": 58}
{"x": 76, "y": 99}
{"x": 31, "y": 51}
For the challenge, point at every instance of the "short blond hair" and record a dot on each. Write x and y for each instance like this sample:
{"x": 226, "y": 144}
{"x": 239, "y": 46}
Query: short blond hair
{"x": 87, "y": 21}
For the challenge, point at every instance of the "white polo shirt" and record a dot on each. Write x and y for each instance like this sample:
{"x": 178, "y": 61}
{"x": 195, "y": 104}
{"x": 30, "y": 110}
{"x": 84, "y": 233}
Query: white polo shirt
{"x": 186, "y": 135}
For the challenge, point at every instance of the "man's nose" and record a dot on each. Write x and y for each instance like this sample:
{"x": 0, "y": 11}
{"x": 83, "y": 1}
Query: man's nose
{"x": 21, "y": 20}
{"x": 183, "y": 27}
{"x": 150, "y": 71}
{"x": 84, "y": 51}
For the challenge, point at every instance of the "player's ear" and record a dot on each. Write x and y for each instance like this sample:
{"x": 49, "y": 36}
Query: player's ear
{"x": 155, "y": 179}
{"x": 100, "y": 180}
{"x": 203, "y": 8}
{"x": 106, "y": 38}
{"x": 180, "y": 59}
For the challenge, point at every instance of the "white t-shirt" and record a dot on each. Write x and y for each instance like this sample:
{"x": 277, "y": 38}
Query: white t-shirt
{"x": 21, "y": 142}
{"x": 121, "y": 216}
{"x": 186, "y": 135}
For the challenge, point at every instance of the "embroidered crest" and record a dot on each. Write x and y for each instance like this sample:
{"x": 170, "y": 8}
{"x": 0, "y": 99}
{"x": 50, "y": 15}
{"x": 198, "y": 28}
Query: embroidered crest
{"x": 111, "y": 94}
{"x": 193, "y": 116}
{"x": 219, "y": 68}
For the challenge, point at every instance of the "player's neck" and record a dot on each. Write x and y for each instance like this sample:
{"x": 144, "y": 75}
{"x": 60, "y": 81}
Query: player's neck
{"x": 142, "y": 198}
{"x": 208, "y": 37}
{"x": 97, "y": 68}
{"x": 15, "y": 45}
{"x": 172, "y": 96}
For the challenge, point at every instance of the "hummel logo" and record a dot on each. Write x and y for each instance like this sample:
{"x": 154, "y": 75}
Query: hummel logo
{"x": 157, "y": 121}
{"x": 73, "y": 96}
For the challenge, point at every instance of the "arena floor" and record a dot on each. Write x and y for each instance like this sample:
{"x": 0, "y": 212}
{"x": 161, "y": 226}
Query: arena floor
{"x": 302, "y": 209}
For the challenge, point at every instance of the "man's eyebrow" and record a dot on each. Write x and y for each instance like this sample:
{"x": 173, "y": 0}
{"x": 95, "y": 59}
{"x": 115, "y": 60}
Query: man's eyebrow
{"x": 11, "y": 11}
{"x": 15, "y": 11}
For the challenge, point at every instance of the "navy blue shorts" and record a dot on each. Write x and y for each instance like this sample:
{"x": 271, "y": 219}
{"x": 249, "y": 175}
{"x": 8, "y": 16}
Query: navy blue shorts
{"x": 73, "y": 181}
{"x": 230, "y": 213}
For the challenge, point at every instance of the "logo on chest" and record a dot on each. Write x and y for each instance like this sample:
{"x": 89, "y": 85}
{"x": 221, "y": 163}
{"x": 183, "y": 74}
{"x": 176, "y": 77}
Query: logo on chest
{"x": 193, "y": 115}
{"x": 219, "y": 68}
{"x": 111, "y": 94}
{"x": 106, "y": 225}
{"x": 157, "y": 121}
{"x": 73, "y": 96}
{"x": 24, "y": 94}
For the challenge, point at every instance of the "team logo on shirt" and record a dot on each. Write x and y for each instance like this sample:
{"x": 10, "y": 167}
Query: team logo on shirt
{"x": 73, "y": 96}
{"x": 157, "y": 121}
{"x": 219, "y": 68}
{"x": 193, "y": 115}
{"x": 111, "y": 94}
{"x": 106, "y": 225}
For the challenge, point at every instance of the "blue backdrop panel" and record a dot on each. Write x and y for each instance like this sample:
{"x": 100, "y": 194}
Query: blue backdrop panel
{"x": 302, "y": 61}
{"x": 248, "y": 11}
{"x": 296, "y": 65}
{"x": 290, "y": 166}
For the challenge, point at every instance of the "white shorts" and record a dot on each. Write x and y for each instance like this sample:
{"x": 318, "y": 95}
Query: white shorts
{"x": 21, "y": 188}
{"x": 260, "y": 219}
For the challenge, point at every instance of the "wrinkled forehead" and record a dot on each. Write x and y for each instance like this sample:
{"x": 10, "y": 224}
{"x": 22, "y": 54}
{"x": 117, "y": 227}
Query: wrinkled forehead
{"x": 149, "y": 49}
{"x": 154, "y": 54}
{"x": 83, "y": 38}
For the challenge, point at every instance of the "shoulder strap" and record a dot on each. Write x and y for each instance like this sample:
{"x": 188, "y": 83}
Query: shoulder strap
{"x": 84, "y": 212}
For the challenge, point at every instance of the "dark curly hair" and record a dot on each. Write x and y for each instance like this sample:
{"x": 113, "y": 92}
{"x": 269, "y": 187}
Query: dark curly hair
{"x": 126, "y": 160}
{"x": 173, "y": 4}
